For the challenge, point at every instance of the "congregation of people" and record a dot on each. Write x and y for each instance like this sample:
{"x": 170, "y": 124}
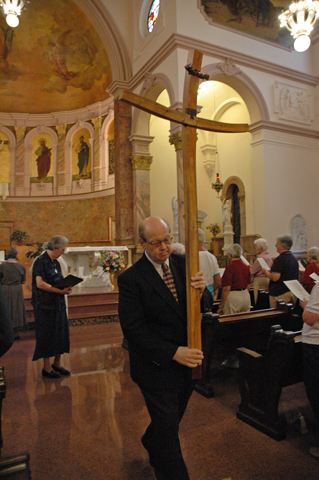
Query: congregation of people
{"x": 153, "y": 317}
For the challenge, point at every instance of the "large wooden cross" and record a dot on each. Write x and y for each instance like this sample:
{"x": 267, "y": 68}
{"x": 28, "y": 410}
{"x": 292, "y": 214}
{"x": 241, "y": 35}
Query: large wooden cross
{"x": 189, "y": 123}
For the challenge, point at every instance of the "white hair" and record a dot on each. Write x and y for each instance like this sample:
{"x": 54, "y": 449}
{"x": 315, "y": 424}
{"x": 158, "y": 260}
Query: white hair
{"x": 235, "y": 250}
{"x": 261, "y": 243}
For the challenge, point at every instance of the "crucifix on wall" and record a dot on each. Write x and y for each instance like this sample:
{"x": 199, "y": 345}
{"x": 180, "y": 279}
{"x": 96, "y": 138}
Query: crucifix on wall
{"x": 189, "y": 123}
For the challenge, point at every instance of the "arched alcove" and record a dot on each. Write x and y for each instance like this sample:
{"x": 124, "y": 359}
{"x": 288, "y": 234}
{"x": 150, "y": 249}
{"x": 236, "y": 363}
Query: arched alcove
{"x": 230, "y": 185}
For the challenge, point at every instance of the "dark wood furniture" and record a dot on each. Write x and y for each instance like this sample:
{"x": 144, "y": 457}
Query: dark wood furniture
{"x": 262, "y": 377}
{"x": 221, "y": 335}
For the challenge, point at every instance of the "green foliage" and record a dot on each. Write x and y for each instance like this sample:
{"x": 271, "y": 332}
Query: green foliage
{"x": 18, "y": 236}
{"x": 34, "y": 253}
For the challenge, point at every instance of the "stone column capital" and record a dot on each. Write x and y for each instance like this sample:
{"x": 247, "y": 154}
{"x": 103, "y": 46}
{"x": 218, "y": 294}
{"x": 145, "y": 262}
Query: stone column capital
{"x": 176, "y": 140}
{"x": 141, "y": 162}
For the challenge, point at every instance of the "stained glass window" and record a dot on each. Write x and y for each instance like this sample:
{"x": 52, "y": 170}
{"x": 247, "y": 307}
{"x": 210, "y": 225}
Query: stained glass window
{"x": 153, "y": 14}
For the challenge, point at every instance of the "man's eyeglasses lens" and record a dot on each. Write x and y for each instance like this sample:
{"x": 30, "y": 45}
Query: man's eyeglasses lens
{"x": 166, "y": 241}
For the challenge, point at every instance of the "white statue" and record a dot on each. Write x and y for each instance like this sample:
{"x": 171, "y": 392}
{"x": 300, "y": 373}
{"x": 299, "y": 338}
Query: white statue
{"x": 227, "y": 213}
{"x": 298, "y": 233}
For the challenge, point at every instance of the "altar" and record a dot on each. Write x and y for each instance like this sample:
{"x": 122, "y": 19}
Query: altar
{"x": 86, "y": 263}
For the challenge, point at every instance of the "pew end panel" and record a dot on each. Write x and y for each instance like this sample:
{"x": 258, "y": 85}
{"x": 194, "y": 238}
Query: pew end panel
{"x": 262, "y": 377}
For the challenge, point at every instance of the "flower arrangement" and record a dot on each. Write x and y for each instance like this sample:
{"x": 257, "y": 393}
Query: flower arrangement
{"x": 214, "y": 229}
{"x": 112, "y": 261}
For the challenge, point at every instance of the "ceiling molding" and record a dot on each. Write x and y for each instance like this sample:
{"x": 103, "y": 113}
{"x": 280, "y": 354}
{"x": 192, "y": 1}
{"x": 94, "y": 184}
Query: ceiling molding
{"x": 187, "y": 43}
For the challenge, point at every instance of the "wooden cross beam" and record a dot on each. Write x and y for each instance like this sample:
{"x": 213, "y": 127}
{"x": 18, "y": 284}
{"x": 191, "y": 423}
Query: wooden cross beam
{"x": 190, "y": 123}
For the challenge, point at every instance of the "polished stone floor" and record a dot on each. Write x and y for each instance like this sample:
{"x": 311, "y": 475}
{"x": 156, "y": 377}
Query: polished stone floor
{"x": 88, "y": 426}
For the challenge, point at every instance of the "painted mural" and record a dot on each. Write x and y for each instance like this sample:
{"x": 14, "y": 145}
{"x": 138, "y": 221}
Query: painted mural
{"x": 252, "y": 17}
{"x": 53, "y": 61}
{"x": 41, "y": 160}
{"x": 81, "y": 155}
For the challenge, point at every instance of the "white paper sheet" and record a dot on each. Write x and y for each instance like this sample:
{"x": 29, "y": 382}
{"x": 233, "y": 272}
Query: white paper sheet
{"x": 314, "y": 276}
{"x": 297, "y": 289}
{"x": 263, "y": 264}
{"x": 243, "y": 259}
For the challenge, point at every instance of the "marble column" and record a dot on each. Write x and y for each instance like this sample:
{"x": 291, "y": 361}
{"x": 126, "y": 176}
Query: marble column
{"x": 97, "y": 122}
{"x": 19, "y": 177}
{"x": 141, "y": 163}
{"x": 176, "y": 140}
{"x": 141, "y": 188}
{"x": 62, "y": 183}
{"x": 124, "y": 216}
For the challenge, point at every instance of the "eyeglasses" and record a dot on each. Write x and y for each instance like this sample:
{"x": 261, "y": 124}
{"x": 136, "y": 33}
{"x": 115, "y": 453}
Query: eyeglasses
{"x": 158, "y": 243}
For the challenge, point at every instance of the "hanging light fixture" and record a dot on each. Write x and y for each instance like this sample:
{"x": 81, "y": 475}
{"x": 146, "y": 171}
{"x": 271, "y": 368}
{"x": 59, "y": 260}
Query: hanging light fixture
{"x": 218, "y": 185}
{"x": 299, "y": 19}
{"x": 12, "y": 8}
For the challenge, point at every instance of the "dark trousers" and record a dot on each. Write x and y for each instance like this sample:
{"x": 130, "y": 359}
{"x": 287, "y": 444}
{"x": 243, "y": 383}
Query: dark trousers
{"x": 161, "y": 439}
{"x": 311, "y": 376}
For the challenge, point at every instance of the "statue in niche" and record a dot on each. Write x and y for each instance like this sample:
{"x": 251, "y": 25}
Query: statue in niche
{"x": 43, "y": 160}
{"x": 83, "y": 151}
{"x": 298, "y": 233}
{"x": 227, "y": 213}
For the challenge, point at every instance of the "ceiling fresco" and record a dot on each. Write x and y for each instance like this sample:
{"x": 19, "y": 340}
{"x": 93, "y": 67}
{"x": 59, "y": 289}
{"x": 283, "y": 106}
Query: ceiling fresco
{"x": 258, "y": 18}
{"x": 53, "y": 61}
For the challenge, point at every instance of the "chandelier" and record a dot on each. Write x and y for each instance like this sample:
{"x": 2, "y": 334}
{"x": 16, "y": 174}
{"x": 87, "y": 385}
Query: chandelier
{"x": 12, "y": 8}
{"x": 299, "y": 20}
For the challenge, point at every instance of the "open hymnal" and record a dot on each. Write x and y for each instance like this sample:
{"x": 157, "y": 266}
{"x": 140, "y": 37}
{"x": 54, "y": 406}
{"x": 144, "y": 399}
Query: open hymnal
{"x": 297, "y": 289}
{"x": 243, "y": 259}
{"x": 301, "y": 267}
{"x": 263, "y": 264}
{"x": 315, "y": 277}
{"x": 69, "y": 281}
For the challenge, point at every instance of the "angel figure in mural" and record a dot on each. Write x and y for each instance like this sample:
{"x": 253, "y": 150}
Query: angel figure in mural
{"x": 43, "y": 160}
{"x": 83, "y": 151}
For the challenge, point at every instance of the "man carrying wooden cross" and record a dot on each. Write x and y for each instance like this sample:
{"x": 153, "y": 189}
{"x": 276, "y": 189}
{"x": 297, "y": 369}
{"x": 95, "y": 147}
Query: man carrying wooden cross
{"x": 152, "y": 310}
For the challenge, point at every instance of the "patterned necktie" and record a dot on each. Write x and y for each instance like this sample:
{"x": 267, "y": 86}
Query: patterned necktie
{"x": 169, "y": 280}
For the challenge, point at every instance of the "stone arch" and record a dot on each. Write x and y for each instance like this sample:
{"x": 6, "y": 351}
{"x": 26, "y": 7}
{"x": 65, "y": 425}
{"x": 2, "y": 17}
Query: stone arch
{"x": 231, "y": 75}
{"x": 227, "y": 192}
{"x": 153, "y": 86}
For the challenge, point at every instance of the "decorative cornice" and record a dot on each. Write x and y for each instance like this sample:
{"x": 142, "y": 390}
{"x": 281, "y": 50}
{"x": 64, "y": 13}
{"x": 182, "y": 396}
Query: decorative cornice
{"x": 181, "y": 41}
{"x": 282, "y": 128}
{"x": 141, "y": 162}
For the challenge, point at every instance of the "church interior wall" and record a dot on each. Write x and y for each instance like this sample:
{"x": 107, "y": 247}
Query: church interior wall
{"x": 291, "y": 182}
{"x": 82, "y": 221}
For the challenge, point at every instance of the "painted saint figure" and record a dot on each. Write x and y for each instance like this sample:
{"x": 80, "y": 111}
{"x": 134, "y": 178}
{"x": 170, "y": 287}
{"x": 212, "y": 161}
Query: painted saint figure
{"x": 43, "y": 160}
{"x": 82, "y": 149}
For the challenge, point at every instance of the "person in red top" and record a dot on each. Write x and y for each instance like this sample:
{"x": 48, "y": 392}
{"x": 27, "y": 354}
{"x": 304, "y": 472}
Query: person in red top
{"x": 236, "y": 282}
{"x": 308, "y": 282}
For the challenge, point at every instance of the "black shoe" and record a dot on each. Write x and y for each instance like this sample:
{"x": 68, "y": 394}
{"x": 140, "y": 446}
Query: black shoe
{"x": 61, "y": 370}
{"x": 51, "y": 374}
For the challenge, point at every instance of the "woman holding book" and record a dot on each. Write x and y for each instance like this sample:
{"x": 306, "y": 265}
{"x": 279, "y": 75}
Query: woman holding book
{"x": 312, "y": 267}
{"x": 51, "y": 322}
{"x": 260, "y": 281}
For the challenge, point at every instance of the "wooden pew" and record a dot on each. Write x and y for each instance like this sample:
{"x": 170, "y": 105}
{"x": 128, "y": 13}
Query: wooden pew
{"x": 262, "y": 377}
{"x": 15, "y": 467}
{"x": 221, "y": 335}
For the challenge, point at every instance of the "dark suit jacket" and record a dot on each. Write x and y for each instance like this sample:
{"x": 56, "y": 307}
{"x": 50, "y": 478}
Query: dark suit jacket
{"x": 6, "y": 326}
{"x": 153, "y": 323}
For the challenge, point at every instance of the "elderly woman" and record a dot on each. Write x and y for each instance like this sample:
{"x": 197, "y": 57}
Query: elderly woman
{"x": 12, "y": 275}
{"x": 285, "y": 267}
{"x": 235, "y": 283}
{"x": 51, "y": 323}
{"x": 312, "y": 267}
{"x": 259, "y": 279}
